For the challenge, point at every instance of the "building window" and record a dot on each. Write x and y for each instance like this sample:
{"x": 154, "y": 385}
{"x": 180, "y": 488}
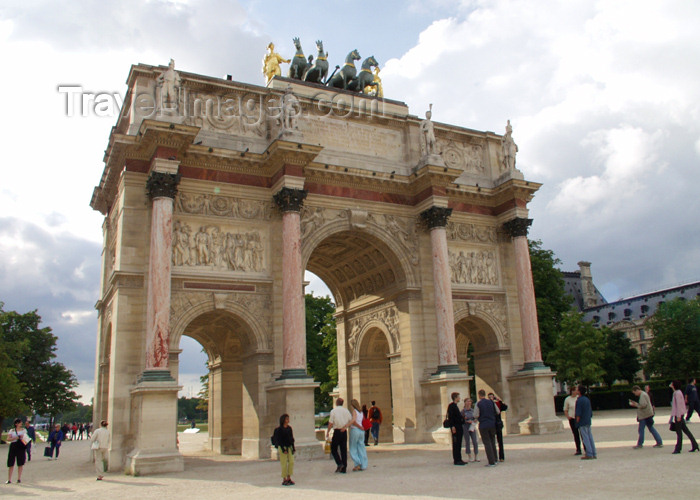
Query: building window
{"x": 641, "y": 334}
{"x": 628, "y": 313}
{"x": 611, "y": 316}
{"x": 645, "y": 309}
{"x": 643, "y": 349}
{"x": 596, "y": 319}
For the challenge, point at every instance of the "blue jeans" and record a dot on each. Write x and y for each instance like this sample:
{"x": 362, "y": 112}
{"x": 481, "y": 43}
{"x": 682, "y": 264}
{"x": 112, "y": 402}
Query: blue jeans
{"x": 358, "y": 452}
{"x": 587, "y": 438}
{"x": 375, "y": 431}
{"x": 647, "y": 422}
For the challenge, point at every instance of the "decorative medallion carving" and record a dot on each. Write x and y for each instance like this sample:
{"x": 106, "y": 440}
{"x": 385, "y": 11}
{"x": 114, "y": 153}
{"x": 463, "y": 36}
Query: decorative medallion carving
{"x": 214, "y": 248}
{"x": 517, "y": 227}
{"x": 436, "y": 216}
{"x": 222, "y": 206}
{"x": 388, "y": 317}
{"x": 466, "y": 157}
{"x": 474, "y": 268}
{"x": 290, "y": 200}
{"x": 471, "y": 233}
{"x": 162, "y": 185}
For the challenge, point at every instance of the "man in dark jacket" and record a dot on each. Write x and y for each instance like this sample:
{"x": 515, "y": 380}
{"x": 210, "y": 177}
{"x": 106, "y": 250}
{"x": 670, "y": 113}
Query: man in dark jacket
{"x": 31, "y": 432}
{"x": 485, "y": 412}
{"x": 499, "y": 424}
{"x": 454, "y": 416}
{"x": 584, "y": 415}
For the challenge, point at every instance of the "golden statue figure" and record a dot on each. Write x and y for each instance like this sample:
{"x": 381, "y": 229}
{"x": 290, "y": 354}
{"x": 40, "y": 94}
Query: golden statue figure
{"x": 375, "y": 90}
{"x": 271, "y": 63}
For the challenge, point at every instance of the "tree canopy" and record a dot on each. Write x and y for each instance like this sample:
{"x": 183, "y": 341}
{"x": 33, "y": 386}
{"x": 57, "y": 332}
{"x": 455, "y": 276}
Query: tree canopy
{"x": 321, "y": 350}
{"x": 621, "y": 360}
{"x": 46, "y": 385}
{"x": 578, "y": 351}
{"x": 675, "y": 350}
{"x": 550, "y": 296}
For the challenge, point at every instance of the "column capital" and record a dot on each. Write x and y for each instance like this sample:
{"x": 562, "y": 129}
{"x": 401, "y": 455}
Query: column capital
{"x": 162, "y": 185}
{"x": 436, "y": 216}
{"x": 290, "y": 200}
{"x": 517, "y": 227}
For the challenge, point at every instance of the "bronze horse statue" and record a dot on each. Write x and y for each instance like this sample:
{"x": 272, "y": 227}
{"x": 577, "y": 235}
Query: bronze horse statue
{"x": 319, "y": 70}
{"x": 365, "y": 77}
{"x": 299, "y": 63}
{"x": 342, "y": 78}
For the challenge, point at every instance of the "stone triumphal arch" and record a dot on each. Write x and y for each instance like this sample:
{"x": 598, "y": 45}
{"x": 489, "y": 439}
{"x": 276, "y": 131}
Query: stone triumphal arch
{"x": 217, "y": 195}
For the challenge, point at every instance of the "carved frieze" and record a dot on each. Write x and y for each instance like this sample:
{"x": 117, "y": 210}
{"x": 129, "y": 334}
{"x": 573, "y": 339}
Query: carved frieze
{"x": 388, "y": 317}
{"x": 471, "y": 232}
{"x": 222, "y": 206}
{"x": 214, "y": 248}
{"x": 311, "y": 220}
{"x": 467, "y": 157}
{"x": 473, "y": 268}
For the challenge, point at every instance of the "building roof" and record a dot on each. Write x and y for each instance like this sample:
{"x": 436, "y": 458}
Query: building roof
{"x": 639, "y": 306}
{"x": 573, "y": 286}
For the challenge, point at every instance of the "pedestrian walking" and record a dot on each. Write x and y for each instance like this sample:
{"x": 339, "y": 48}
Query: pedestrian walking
{"x": 100, "y": 444}
{"x": 31, "y": 432}
{"x": 283, "y": 439}
{"x": 375, "y": 416}
{"x": 470, "y": 436}
{"x": 485, "y": 412}
{"x": 81, "y": 430}
{"x": 55, "y": 439}
{"x": 570, "y": 413}
{"x": 339, "y": 421}
{"x": 358, "y": 452}
{"x": 691, "y": 398}
{"x": 678, "y": 410}
{"x": 584, "y": 418}
{"x": 645, "y": 417}
{"x": 18, "y": 440}
{"x": 499, "y": 425}
{"x": 456, "y": 423}
{"x": 365, "y": 412}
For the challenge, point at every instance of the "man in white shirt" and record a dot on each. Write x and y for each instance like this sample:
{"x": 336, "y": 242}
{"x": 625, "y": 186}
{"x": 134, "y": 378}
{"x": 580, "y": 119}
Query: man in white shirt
{"x": 339, "y": 420}
{"x": 100, "y": 441}
{"x": 570, "y": 413}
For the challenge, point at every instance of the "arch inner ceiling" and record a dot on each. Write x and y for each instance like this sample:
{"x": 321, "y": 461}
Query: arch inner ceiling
{"x": 221, "y": 334}
{"x": 355, "y": 265}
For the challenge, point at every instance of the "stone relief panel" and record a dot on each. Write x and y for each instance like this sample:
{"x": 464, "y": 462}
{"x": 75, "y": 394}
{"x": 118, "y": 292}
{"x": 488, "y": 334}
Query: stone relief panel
{"x": 402, "y": 229}
{"x": 237, "y": 114}
{"x": 473, "y": 268}
{"x": 467, "y": 157}
{"x": 471, "y": 232}
{"x": 388, "y": 316}
{"x": 211, "y": 246}
{"x": 222, "y": 206}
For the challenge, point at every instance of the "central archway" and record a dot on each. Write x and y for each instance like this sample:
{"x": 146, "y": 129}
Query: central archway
{"x": 233, "y": 382}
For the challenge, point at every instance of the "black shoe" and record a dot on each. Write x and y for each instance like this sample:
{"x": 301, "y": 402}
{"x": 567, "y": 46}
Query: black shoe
{"x": 460, "y": 463}
{"x": 291, "y": 483}
{"x": 343, "y": 470}
{"x": 694, "y": 449}
{"x": 8, "y": 482}
{"x": 285, "y": 482}
{"x": 577, "y": 453}
{"x": 337, "y": 469}
{"x": 675, "y": 452}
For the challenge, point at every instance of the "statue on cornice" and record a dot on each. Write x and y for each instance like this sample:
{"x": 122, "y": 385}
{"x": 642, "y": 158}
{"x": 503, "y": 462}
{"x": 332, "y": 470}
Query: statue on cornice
{"x": 290, "y": 109}
{"x": 427, "y": 130}
{"x": 169, "y": 82}
{"x": 508, "y": 148}
{"x": 271, "y": 63}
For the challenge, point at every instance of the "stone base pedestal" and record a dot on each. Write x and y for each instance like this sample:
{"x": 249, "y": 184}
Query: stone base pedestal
{"x": 441, "y": 385}
{"x": 295, "y": 397}
{"x": 532, "y": 402}
{"x": 154, "y": 420}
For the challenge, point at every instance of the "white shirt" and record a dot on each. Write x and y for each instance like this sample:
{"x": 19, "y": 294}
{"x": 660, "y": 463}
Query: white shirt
{"x": 101, "y": 435}
{"x": 570, "y": 406}
{"x": 340, "y": 417}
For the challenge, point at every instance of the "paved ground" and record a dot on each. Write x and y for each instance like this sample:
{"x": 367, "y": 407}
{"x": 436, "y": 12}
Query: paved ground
{"x": 536, "y": 467}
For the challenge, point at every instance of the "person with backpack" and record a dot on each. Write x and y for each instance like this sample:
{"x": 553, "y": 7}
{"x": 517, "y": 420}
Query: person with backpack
{"x": 375, "y": 416}
{"x": 283, "y": 440}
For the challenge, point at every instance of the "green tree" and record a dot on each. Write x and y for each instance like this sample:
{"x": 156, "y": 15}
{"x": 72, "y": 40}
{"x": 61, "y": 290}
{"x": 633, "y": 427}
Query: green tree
{"x": 621, "y": 360}
{"x": 675, "y": 350}
{"x": 48, "y": 385}
{"x": 11, "y": 389}
{"x": 319, "y": 314}
{"x": 203, "y": 394}
{"x": 578, "y": 352}
{"x": 550, "y": 296}
{"x": 330, "y": 343}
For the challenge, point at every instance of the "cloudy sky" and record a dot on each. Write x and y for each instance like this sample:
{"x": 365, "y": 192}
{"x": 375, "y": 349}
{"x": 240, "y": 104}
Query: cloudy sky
{"x": 603, "y": 97}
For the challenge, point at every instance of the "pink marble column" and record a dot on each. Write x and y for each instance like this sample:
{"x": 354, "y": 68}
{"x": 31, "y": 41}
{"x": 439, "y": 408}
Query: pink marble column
{"x": 162, "y": 188}
{"x": 518, "y": 228}
{"x": 436, "y": 219}
{"x": 290, "y": 202}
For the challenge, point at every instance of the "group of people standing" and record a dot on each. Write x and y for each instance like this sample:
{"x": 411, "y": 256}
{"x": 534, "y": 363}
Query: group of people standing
{"x": 486, "y": 416}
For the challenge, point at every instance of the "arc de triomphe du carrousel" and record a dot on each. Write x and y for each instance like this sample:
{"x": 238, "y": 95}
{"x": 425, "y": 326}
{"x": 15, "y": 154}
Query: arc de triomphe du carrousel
{"x": 218, "y": 195}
